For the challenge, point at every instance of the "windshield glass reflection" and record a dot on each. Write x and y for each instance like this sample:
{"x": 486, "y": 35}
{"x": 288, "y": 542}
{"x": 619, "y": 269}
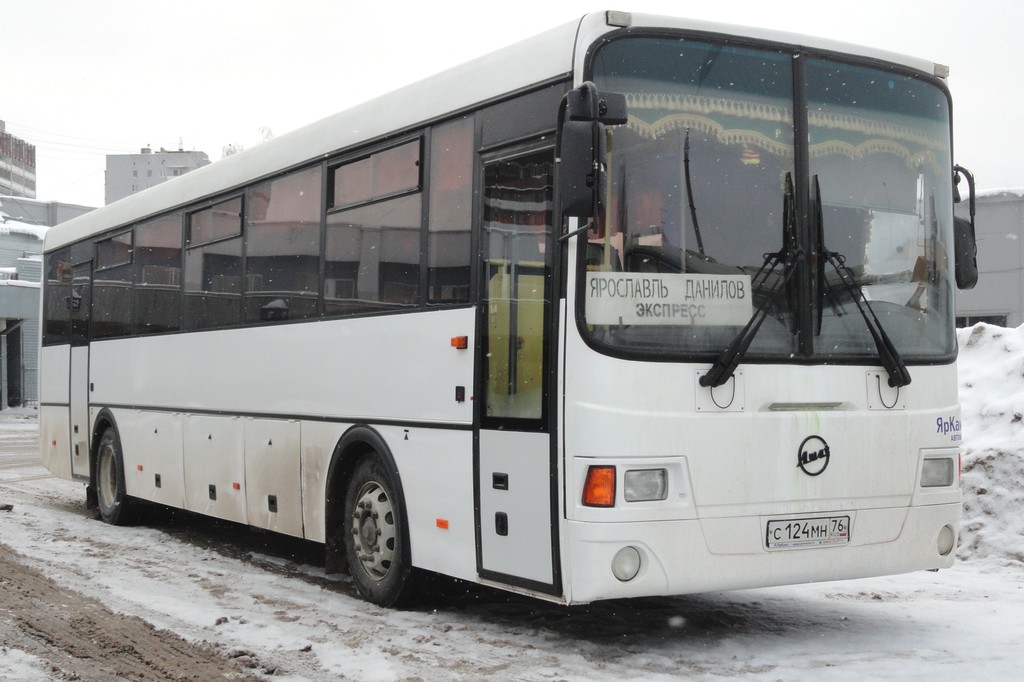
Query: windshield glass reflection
{"x": 698, "y": 204}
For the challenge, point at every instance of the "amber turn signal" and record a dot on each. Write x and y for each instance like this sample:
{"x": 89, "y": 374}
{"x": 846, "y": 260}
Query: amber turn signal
{"x": 599, "y": 488}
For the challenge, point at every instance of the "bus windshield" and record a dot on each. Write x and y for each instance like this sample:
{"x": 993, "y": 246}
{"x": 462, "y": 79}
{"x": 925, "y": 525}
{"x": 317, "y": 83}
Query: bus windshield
{"x": 705, "y": 187}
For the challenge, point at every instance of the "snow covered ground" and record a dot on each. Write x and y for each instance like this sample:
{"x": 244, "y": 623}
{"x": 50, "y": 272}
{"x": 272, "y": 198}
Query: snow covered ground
{"x": 268, "y": 603}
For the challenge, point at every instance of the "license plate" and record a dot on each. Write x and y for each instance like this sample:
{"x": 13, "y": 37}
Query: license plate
{"x": 815, "y": 532}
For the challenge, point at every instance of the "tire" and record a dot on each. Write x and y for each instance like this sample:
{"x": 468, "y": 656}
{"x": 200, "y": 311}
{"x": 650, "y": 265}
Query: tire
{"x": 111, "y": 495}
{"x": 376, "y": 537}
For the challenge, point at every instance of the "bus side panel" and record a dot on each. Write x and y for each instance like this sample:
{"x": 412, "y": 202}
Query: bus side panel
{"x": 436, "y": 468}
{"x": 318, "y": 442}
{"x": 54, "y": 416}
{"x": 55, "y": 377}
{"x": 215, "y": 467}
{"x": 390, "y": 367}
{"x": 273, "y": 489}
{"x": 55, "y": 440}
{"x": 152, "y": 451}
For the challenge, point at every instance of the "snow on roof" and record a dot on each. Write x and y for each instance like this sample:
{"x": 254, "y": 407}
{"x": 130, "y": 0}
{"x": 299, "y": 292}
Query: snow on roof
{"x": 1001, "y": 191}
{"x": 8, "y": 226}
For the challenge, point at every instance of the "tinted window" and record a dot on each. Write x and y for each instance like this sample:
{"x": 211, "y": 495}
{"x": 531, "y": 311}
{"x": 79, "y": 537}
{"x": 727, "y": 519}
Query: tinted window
{"x": 283, "y": 248}
{"x": 116, "y": 250}
{"x": 213, "y": 271}
{"x": 158, "y": 275}
{"x": 216, "y": 222}
{"x": 373, "y": 256}
{"x": 57, "y": 302}
{"x": 112, "y": 302}
{"x": 451, "y": 212}
{"x": 383, "y": 174}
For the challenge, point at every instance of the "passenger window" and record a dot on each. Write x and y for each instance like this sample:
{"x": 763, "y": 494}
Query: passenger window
{"x": 58, "y": 301}
{"x": 114, "y": 251}
{"x": 213, "y": 270}
{"x": 112, "y": 287}
{"x": 373, "y": 257}
{"x": 451, "y": 212}
{"x": 283, "y": 248}
{"x": 158, "y": 275}
{"x": 381, "y": 175}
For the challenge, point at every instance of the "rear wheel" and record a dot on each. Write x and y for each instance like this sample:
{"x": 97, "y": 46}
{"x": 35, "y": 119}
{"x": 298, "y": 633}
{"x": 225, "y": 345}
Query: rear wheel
{"x": 111, "y": 495}
{"x": 376, "y": 539}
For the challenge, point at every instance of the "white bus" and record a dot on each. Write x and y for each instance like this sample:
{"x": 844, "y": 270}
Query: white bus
{"x": 640, "y": 306}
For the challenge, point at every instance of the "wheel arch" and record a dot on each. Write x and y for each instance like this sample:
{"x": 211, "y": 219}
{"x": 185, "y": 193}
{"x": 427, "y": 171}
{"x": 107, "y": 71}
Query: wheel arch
{"x": 358, "y": 442}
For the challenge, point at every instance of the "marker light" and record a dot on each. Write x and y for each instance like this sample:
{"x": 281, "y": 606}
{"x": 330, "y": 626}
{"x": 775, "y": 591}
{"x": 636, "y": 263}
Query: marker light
{"x": 946, "y": 541}
{"x": 645, "y": 485}
{"x": 937, "y": 472}
{"x": 599, "y": 488}
{"x": 626, "y": 564}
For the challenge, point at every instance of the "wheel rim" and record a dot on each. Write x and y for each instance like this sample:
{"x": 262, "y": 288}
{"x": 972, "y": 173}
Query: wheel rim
{"x": 107, "y": 477}
{"x": 374, "y": 530}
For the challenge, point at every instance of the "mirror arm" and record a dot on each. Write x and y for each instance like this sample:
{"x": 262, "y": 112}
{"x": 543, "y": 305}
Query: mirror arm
{"x": 959, "y": 170}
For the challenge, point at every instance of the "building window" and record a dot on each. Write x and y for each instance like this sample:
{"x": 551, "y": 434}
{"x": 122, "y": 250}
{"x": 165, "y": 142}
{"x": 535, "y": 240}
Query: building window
{"x": 971, "y": 320}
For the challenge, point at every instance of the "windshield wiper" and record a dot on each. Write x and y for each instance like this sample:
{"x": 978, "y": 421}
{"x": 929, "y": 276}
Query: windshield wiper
{"x": 689, "y": 192}
{"x": 890, "y": 358}
{"x": 789, "y": 258}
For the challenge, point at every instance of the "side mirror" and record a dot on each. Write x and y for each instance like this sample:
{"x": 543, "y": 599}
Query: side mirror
{"x": 581, "y": 172}
{"x": 965, "y": 250}
{"x": 965, "y": 246}
{"x": 581, "y": 148}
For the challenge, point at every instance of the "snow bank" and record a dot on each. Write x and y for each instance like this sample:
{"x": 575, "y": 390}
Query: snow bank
{"x": 992, "y": 400}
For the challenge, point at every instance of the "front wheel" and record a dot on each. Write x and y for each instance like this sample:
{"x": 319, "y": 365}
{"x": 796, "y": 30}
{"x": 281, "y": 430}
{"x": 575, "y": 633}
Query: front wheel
{"x": 376, "y": 538}
{"x": 111, "y": 494}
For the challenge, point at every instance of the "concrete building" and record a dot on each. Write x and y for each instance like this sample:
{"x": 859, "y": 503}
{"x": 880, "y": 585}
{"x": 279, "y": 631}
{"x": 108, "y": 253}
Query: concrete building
{"x": 17, "y": 165}
{"x": 36, "y": 212}
{"x": 131, "y": 173}
{"x": 21, "y": 265}
{"x": 998, "y": 297}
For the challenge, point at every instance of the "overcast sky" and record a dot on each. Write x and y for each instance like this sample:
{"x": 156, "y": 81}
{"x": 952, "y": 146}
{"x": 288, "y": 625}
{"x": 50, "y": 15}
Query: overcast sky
{"x": 85, "y": 78}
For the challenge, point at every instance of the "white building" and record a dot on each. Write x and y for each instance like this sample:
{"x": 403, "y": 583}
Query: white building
{"x": 998, "y": 297}
{"x": 131, "y": 173}
{"x": 21, "y": 265}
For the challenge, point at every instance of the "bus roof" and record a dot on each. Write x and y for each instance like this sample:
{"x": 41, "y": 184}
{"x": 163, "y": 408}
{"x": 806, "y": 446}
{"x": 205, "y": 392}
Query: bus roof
{"x": 546, "y": 57}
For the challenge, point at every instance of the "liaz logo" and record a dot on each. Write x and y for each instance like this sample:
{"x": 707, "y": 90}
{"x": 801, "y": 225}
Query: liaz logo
{"x": 813, "y": 455}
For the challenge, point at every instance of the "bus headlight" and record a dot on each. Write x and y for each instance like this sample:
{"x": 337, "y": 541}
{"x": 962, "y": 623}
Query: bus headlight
{"x": 645, "y": 485}
{"x": 937, "y": 472}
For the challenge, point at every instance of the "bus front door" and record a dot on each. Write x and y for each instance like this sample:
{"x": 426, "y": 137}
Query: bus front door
{"x": 516, "y": 486}
{"x": 79, "y": 304}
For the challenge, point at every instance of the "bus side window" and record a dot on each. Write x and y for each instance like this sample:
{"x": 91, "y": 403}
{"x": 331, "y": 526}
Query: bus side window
{"x": 157, "y": 292}
{"x": 213, "y": 266}
{"x": 451, "y": 212}
{"x": 282, "y": 232}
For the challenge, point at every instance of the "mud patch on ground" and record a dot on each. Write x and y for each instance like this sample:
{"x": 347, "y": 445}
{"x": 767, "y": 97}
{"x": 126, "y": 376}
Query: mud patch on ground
{"x": 79, "y": 638}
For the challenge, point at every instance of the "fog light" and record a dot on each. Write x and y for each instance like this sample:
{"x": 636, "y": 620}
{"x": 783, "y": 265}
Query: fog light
{"x": 645, "y": 485}
{"x": 626, "y": 564}
{"x": 947, "y": 540}
{"x": 937, "y": 472}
